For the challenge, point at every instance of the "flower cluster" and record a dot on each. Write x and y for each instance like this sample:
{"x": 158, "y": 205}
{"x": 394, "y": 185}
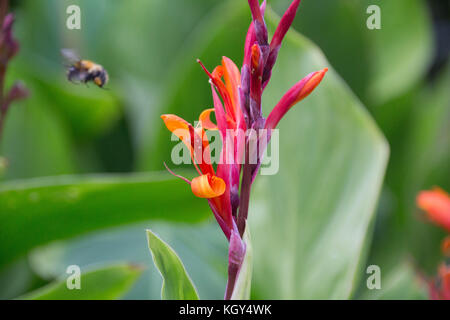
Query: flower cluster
{"x": 237, "y": 96}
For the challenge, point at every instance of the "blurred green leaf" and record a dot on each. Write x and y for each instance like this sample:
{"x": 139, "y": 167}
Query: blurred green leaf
{"x": 3, "y": 165}
{"x": 36, "y": 142}
{"x": 243, "y": 284}
{"x": 310, "y": 221}
{"x": 420, "y": 160}
{"x": 202, "y": 247}
{"x": 378, "y": 64}
{"x": 177, "y": 285}
{"x": 61, "y": 207}
{"x": 102, "y": 284}
{"x": 138, "y": 65}
{"x": 24, "y": 279}
{"x": 86, "y": 110}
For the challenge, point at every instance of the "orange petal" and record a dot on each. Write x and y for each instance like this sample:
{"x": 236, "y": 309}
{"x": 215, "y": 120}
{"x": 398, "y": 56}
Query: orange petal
{"x": 185, "y": 132}
{"x": 179, "y": 127}
{"x": 232, "y": 78}
{"x": 311, "y": 85}
{"x": 205, "y": 120}
{"x": 208, "y": 186}
{"x": 437, "y": 205}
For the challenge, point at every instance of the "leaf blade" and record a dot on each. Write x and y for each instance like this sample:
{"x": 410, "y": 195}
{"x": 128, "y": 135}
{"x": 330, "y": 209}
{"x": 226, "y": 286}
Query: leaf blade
{"x": 177, "y": 285}
{"x": 316, "y": 211}
{"x": 106, "y": 283}
{"x": 57, "y": 208}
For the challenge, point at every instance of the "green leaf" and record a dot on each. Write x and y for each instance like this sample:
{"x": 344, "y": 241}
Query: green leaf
{"x": 243, "y": 284}
{"x": 101, "y": 284}
{"x": 311, "y": 220}
{"x": 177, "y": 285}
{"x": 420, "y": 158}
{"x": 62, "y": 207}
{"x": 35, "y": 141}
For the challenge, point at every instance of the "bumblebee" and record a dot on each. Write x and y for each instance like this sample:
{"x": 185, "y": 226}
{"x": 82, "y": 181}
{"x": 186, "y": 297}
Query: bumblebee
{"x": 84, "y": 70}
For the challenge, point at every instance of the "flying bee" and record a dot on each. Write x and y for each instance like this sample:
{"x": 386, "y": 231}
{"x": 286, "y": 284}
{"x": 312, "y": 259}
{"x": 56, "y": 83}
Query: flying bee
{"x": 84, "y": 70}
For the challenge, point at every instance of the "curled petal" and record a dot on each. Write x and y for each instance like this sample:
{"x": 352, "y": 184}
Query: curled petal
{"x": 208, "y": 186}
{"x": 205, "y": 120}
{"x": 181, "y": 128}
{"x": 297, "y": 93}
{"x": 437, "y": 205}
{"x": 193, "y": 138}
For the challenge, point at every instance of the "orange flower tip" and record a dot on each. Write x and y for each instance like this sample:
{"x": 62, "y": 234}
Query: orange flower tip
{"x": 256, "y": 53}
{"x": 311, "y": 84}
{"x": 208, "y": 186}
{"x": 174, "y": 122}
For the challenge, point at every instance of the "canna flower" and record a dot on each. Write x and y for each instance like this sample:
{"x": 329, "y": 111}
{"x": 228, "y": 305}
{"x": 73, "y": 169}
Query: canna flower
{"x": 436, "y": 203}
{"x": 237, "y": 95}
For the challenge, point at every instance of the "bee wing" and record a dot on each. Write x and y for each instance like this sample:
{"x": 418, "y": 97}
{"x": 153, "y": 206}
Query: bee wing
{"x": 75, "y": 75}
{"x": 70, "y": 55}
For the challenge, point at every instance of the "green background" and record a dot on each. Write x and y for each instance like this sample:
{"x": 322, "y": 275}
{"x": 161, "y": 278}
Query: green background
{"x": 86, "y": 177}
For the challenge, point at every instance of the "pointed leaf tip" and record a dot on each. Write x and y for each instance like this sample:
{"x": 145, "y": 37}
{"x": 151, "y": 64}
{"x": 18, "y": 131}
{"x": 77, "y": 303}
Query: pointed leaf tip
{"x": 177, "y": 285}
